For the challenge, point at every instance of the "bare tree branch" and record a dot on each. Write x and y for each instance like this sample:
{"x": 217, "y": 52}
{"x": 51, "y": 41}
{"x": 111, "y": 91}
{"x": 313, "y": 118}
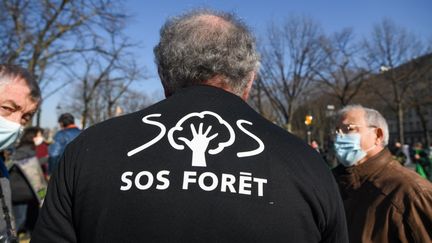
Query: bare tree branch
{"x": 288, "y": 62}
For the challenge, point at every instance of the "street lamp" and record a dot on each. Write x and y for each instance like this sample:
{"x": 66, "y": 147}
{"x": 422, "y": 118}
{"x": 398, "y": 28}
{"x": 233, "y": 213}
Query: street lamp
{"x": 308, "y": 122}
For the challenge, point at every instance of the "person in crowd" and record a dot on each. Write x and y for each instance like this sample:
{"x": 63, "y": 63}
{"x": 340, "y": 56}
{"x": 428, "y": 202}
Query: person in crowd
{"x": 398, "y": 153}
{"x": 19, "y": 100}
{"x": 68, "y": 132}
{"x": 42, "y": 150}
{"x": 384, "y": 201}
{"x": 430, "y": 151}
{"x": 27, "y": 181}
{"x": 314, "y": 144}
{"x": 41, "y": 144}
{"x": 406, "y": 150}
{"x": 429, "y": 155}
{"x": 420, "y": 158}
{"x": 199, "y": 166}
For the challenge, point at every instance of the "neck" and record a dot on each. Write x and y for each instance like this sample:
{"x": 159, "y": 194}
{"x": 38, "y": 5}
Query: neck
{"x": 70, "y": 126}
{"x": 219, "y": 82}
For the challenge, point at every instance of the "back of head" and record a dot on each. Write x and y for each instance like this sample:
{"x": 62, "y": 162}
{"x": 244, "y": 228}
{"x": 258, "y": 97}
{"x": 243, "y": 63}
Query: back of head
{"x": 418, "y": 145}
{"x": 27, "y": 137}
{"x": 66, "y": 119}
{"x": 372, "y": 118}
{"x": 204, "y": 44}
{"x": 10, "y": 73}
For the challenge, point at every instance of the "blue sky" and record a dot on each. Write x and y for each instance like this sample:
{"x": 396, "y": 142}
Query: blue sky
{"x": 148, "y": 16}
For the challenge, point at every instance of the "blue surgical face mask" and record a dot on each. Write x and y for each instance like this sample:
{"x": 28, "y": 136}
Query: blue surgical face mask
{"x": 9, "y": 132}
{"x": 348, "y": 149}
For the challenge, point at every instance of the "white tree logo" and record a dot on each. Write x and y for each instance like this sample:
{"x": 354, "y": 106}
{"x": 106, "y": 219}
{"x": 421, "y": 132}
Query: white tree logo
{"x": 201, "y": 136}
{"x": 200, "y": 139}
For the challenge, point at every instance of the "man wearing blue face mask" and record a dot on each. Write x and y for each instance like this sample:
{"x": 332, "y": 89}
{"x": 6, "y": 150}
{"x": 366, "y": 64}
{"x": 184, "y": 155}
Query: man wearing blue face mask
{"x": 384, "y": 201}
{"x": 19, "y": 99}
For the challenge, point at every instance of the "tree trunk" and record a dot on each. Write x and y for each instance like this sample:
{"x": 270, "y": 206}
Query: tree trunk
{"x": 424, "y": 123}
{"x": 400, "y": 120}
{"x": 38, "y": 116}
{"x": 198, "y": 158}
{"x": 84, "y": 116}
{"x": 290, "y": 117}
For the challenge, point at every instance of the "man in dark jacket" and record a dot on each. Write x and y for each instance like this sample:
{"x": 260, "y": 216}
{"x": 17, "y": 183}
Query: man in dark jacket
{"x": 200, "y": 166}
{"x": 19, "y": 100}
{"x": 384, "y": 201}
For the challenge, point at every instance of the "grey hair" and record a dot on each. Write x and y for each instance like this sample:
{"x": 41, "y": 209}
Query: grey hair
{"x": 203, "y": 44}
{"x": 372, "y": 118}
{"x": 9, "y": 72}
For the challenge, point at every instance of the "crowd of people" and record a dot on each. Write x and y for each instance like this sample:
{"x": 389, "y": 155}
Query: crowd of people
{"x": 202, "y": 165}
{"x": 27, "y": 156}
{"x": 416, "y": 156}
{"x": 30, "y": 164}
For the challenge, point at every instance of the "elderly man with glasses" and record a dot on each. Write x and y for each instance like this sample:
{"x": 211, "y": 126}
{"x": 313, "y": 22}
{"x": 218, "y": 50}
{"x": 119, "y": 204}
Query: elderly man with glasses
{"x": 384, "y": 202}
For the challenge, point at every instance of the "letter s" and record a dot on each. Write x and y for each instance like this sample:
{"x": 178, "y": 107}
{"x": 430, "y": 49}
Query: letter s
{"x": 126, "y": 180}
{"x": 165, "y": 181}
{"x": 260, "y": 143}
{"x": 154, "y": 140}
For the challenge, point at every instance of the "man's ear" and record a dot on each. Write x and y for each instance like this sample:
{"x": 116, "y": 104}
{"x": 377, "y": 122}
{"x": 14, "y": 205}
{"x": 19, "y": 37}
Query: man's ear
{"x": 167, "y": 94}
{"x": 380, "y": 136}
{"x": 166, "y": 90}
{"x": 248, "y": 87}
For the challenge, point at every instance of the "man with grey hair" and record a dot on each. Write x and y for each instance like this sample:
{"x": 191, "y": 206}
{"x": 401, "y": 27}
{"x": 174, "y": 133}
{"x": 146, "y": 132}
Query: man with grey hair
{"x": 384, "y": 201}
{"x": 200, "y": 166}
{"x": 19, "y": 100}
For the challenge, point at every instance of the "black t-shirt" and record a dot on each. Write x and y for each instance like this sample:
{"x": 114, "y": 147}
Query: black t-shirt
{"x": 200, "y": 166}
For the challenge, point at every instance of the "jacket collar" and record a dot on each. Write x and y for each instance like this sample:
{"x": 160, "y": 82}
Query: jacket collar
{"x": 373, "y": 165}
{"x": 353, "y": 177}
{"x": 71, "y": 126}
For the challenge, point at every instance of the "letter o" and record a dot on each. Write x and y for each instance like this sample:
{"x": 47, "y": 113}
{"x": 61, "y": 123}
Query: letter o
{"x": 149, "y": 182}
{"x": 203, "y": 185}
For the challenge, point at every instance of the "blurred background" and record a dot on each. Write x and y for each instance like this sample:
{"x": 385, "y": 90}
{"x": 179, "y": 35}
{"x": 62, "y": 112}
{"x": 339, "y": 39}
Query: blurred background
{"x": 94, "y": 59}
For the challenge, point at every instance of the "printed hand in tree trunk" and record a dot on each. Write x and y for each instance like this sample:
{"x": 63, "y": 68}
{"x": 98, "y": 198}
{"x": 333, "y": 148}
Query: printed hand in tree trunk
{"x": 198, "y": 144}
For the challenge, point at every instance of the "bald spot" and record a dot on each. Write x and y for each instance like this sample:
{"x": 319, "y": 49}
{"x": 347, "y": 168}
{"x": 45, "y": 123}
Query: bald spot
{"x": 214, "y": 21}
{"x": 209, "y": 27}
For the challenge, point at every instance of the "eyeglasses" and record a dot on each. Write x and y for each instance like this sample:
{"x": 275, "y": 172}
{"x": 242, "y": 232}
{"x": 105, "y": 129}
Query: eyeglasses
{"x": 350, "y": 128}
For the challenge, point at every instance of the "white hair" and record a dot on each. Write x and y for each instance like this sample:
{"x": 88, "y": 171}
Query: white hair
{"x": 372, "y": 118}
{"x": 195, "y": 47}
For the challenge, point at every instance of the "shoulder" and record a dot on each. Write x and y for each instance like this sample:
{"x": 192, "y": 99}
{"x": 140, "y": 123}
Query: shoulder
{"x": 73, "y": 130}
{"x": 291, "y": 148}
{"x": 403, "y": 186}
{"x": 107, "y": 128}
{"x": 59, "y": 134}
{"x": 397, "y": 177}
{"x": 301, "y": 162}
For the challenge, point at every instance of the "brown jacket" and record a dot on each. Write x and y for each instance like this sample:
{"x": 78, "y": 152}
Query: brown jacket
{"x": 385, "y": 202}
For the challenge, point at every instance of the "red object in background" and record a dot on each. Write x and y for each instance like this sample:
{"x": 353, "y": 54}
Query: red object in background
{"x": 42, "y": 150}
{"x": 42, "y": 155}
